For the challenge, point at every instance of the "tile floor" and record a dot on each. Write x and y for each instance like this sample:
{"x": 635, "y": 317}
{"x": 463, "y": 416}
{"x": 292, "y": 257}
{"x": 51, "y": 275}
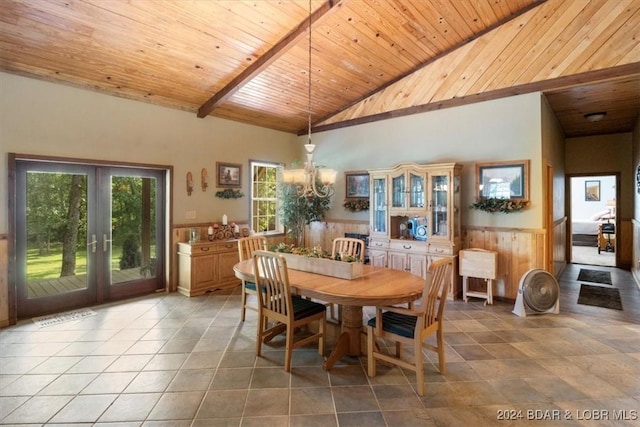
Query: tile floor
{"x": 168, "y": 360}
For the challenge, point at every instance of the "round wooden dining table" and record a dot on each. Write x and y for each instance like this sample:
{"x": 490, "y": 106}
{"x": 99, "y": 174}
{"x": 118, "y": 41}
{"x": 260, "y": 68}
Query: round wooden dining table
{"x": 376, "y": 287}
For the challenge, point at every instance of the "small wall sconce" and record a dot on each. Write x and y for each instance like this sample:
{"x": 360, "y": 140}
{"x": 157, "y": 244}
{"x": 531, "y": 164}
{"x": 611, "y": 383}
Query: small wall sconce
{"x": 595, "y": 117}
{"x": 204, "y": 178}
{"x": 189, "y": 183}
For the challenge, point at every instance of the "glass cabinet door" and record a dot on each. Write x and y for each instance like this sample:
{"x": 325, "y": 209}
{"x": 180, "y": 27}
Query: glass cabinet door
{"x": 379, "y": 205}
{"x": 398, "y": 191}
{"x": 439, "y": 205}
{"x": 416, "y": 190}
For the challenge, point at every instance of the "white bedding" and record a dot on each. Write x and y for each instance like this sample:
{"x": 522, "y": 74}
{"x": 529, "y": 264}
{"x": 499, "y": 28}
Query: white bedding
{"x": 585, "y": 227}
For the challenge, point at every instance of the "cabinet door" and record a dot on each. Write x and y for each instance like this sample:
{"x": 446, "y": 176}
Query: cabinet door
{"x": 439, "y": 216}
{"x": 379, "y": 215}
{"x": 417, "y": 264}
{"x": 378, "y": 258}
{"x": 398, "y": 191}
{"x": 398, "y": 261}
{"x": 226, "y": 261}
{"x": 204, "y": 271}
{"x": 416, "y": 190}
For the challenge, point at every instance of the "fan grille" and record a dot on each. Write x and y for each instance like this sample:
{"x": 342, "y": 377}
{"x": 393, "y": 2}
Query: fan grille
{"x": 540, "y": 290}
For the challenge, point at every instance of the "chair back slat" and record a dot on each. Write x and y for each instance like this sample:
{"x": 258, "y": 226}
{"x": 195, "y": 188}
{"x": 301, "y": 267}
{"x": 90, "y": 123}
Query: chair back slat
{"x": 435, "y": 291}
{"x": 271, "y": 275}
{"x": 348, "y": 246}
{"x": 248, "y": 245}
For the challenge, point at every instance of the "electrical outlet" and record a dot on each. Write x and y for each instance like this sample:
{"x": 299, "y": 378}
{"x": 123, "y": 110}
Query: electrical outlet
{"x": 191, "y": 214}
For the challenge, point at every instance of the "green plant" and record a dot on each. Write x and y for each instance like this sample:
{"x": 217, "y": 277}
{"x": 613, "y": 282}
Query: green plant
{"x": 493, "y": 205}
{"x": 297, "y": 212}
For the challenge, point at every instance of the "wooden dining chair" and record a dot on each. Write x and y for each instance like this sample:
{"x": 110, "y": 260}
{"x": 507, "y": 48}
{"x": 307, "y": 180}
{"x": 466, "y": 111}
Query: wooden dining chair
{"x": 406, "y": 326}
{"x": 345, "y": 247}
{"x": 276, "y": 303}
{"x": 246, "y": 247}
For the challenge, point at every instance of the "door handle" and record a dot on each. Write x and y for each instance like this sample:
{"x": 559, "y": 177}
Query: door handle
{"x": 93, "y": 243}
{"x": 105, "y": 241}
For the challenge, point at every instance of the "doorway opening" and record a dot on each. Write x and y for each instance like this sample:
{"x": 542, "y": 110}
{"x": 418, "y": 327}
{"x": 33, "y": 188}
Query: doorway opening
{"x": 593, "y": 219}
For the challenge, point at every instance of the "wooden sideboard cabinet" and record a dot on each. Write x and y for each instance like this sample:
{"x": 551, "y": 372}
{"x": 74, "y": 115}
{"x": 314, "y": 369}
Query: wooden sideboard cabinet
{"x": 410, "y": 195}
{"x": 206, "y": 266}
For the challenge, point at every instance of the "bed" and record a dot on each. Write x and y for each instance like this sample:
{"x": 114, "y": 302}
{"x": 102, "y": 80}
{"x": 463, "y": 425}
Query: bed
{"x": 585, "y": 232}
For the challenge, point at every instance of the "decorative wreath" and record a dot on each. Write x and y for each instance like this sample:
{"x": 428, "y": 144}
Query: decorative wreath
{"x": 229, "y": 193}
{"x": 493, "y": 205}
{"x": 356, "y": 205}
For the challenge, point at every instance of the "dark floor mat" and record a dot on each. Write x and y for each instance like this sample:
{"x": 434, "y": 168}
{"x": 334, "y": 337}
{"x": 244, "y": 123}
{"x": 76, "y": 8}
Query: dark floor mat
{"x": 594, "y": 276}
{"x": 599, "y": 296}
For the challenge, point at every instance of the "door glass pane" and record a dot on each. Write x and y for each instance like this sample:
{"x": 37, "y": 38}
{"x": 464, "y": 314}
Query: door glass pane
{"x": 416, "y": 191}
{"x": 56, "y": 219}
{"x": 439, "y": 210}
{"x": 379, "y": 205}
{"x": 398, "y": 192}
{"x": 132, "y": 243}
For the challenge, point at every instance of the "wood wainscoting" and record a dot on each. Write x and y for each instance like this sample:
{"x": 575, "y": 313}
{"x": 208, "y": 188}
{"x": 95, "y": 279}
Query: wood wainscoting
{"x": 5, "y": 319}
{"x": 635, "y": 250}
{"x": 519, "y": 250}
{"x": 323, "y": 233}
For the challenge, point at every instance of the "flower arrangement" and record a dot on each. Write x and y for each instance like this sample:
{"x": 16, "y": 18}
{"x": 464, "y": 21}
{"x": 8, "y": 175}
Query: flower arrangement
{"x": 315, "y": 252}
{"x": 356, "y": 205}
{"x": 493, "y": 205}
{"x": 229, "y": 193}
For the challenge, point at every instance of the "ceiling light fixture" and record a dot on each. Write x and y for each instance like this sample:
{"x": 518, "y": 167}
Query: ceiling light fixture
{"x": 311, "y": 181}
{"x": 595, "y": 117}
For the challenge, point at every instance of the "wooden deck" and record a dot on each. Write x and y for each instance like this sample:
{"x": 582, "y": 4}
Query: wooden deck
{"x": 61, "y": 285}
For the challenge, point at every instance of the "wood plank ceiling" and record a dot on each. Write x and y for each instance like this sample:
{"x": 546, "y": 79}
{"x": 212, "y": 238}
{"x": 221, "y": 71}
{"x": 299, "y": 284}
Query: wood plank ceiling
{"x": 370, "y": 59}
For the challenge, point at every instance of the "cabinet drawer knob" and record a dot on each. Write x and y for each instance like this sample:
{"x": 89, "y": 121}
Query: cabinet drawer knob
{"x": 205, "y": 249}
{"x": 406, "y": 247}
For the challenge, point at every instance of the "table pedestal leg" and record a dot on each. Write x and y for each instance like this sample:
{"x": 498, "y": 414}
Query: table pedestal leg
{"x": 349, "y": 341}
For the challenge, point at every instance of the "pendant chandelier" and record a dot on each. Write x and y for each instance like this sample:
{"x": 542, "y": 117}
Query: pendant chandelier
{"x": 311, "y": 181}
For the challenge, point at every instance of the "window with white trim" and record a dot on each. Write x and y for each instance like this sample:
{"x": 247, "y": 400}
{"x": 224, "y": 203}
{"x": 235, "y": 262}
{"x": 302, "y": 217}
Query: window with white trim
{"x": 265, "y": 216}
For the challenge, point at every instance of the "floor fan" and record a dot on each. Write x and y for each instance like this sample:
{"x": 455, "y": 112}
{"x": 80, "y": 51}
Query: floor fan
{"x": 538, "y": 293}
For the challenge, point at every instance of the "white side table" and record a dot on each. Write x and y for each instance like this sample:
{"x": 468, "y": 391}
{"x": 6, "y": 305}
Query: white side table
{"x": 478, "y": 263}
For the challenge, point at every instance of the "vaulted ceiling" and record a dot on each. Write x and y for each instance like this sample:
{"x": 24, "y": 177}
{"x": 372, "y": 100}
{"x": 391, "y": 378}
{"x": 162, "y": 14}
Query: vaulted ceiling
{"x": 370, "y": 59}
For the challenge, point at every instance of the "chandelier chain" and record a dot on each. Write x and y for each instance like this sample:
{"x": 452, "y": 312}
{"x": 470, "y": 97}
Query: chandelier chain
{"x": 309, "y": 94}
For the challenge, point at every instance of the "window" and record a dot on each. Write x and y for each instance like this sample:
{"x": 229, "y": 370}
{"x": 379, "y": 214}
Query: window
{"x": 264, "y": 199}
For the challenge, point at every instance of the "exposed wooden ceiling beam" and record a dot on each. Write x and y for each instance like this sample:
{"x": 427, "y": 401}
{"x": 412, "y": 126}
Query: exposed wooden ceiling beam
{"x": 265, "y": 60}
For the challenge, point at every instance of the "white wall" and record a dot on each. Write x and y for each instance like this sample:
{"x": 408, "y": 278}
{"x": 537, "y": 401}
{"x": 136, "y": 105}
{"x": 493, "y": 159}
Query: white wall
{"x": 47, "y": 119}
{"x": 582, "y": 209}
{"x": 498, "y": 130}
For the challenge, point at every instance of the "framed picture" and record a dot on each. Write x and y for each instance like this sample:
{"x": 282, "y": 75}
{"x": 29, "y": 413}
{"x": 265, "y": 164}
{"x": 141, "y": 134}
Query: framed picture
{"x": 228, "y": 175}
{"x": 356, "y": 185}
{"x": 503, "y": 180}
{"x": 592, "y": 191}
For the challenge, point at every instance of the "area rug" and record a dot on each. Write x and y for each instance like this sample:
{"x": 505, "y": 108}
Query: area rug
{"x": 67, "y": 316}
{"x": 594, "y": 276}
{"x": 600, "y": 297}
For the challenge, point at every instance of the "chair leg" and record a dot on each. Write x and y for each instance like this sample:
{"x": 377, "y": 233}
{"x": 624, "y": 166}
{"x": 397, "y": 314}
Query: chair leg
{"x": 441, "y": 359}
{"x": 243, "y": 308}
{"x": 288, "y": 349}
{"x": 261, "y": 320}
{"x": 419, "y": 366}
{"x": 321, "y": 340}
{"x": 371, "y": 360}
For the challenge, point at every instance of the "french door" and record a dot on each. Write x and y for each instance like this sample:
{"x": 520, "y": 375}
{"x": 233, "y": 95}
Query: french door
{"x": 86, "y": 234}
